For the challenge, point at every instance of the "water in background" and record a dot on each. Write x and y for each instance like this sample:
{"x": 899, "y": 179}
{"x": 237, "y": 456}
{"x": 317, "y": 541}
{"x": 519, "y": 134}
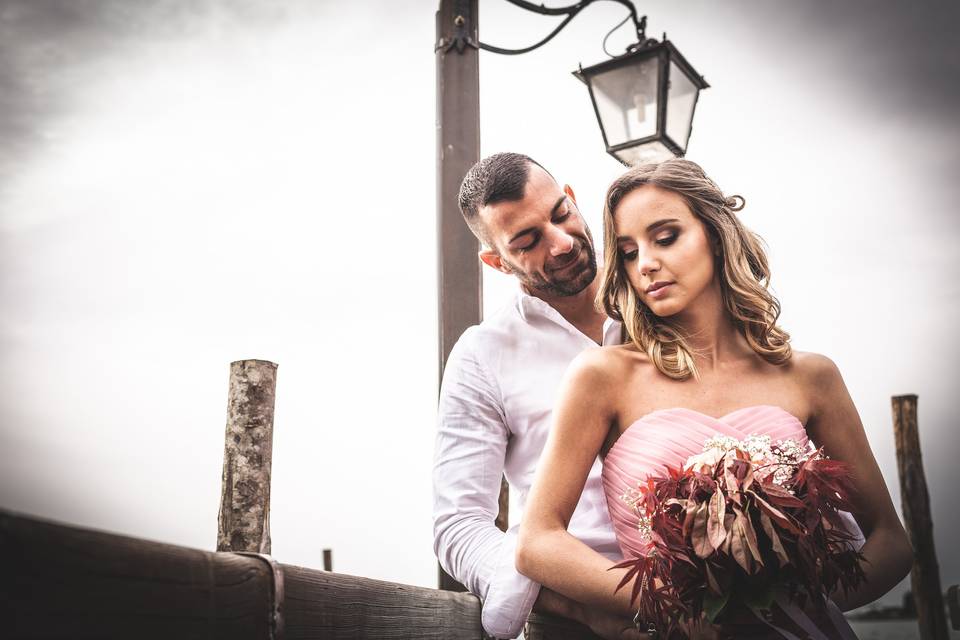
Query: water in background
{"x": 891, "y": 630}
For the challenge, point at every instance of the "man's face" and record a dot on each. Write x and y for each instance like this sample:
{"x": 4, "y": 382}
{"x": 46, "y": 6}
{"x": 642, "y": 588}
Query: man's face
{"x": 541, "y": 239}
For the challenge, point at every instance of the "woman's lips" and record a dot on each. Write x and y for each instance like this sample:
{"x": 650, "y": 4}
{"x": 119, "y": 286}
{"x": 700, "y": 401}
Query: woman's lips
{"x": 659, "y": 289}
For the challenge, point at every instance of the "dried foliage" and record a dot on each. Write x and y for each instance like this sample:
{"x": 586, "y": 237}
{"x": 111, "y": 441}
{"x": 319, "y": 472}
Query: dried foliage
{"x": 734, "y": 527}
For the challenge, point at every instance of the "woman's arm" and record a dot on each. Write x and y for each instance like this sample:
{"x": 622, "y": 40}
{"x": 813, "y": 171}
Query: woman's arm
{"x": 835, "y": 425}
{"x": 546, "y": 553}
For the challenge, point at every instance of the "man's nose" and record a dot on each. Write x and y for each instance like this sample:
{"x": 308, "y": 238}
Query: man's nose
{"x": 561, "y": 243}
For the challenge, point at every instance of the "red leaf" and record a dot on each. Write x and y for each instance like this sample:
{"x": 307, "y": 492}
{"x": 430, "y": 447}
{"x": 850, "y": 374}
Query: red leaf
{"x": 774, "y": 513}
{"x": 728, "y": 525}
{"x": 738, "y": 544}
{"x": 637, "y": 587}
{"x": 775, "y": 542}
{"x": 716, "y": 509}
{"x": 751, "y": 538}
{"x": 779, "y": 495}
{"x": 688, "y": 517}
{"x": 698, "y": 536}
{"x": 632, "y": 572}
{"x": 712, "y": 583}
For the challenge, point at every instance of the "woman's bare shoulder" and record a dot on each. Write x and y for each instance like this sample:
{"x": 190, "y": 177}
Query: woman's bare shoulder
{"x": 815, "y": 369}
{"x": 604, "y": 364}
{"x": 821, "y": 383}
{"x": 614, "y": 357}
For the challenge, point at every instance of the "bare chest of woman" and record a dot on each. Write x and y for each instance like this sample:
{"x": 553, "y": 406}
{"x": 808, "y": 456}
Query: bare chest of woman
{"x": 716, "y": 393}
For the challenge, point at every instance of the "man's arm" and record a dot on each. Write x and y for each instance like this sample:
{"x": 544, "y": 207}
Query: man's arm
{"x": 468, "y": 464}
{"x": 601, "y": 623}
{"x": 471, "y": 445}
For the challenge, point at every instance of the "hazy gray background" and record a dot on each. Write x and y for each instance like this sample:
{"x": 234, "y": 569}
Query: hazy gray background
{"x": 186, "y": 183}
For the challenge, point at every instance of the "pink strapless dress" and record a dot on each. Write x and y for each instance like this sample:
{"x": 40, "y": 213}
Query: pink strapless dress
{"x": 669, "y": 437}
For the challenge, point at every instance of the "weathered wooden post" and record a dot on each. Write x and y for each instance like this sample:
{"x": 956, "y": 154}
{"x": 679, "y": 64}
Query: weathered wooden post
{"x": 244, "y": 520}
{"x": 328, "y": 559}
{"x": 953, "y": 603}
{"x": 915, "y": 501}
{"x": 459, "y": 290}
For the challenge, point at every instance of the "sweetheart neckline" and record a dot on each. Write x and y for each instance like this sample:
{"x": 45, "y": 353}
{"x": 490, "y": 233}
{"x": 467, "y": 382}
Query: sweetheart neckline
{"x": 722, "y": 418}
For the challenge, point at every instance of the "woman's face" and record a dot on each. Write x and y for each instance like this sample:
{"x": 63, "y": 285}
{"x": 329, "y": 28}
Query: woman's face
{"x": 665, "y": 250}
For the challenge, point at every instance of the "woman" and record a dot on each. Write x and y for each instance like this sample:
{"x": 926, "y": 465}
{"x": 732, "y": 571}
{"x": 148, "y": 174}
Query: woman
{"x": 704, "y": 355}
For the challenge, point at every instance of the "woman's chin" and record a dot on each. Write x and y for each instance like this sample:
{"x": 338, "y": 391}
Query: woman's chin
{"x": 665, "y": 308}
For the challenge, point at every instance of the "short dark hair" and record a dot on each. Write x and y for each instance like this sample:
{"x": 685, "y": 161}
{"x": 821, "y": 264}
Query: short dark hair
{"x": 501, "y": 177}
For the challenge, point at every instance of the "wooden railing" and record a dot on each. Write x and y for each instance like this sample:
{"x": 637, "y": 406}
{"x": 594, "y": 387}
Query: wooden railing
{"x": 63, "y": 582}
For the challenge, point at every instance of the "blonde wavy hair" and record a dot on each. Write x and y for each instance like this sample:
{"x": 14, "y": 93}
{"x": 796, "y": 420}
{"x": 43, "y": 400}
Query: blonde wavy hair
{"x": 741, "y": 263}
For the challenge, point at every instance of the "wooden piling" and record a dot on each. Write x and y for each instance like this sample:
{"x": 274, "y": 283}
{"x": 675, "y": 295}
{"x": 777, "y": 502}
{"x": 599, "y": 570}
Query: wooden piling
{"x": 953, "y": 604}
{"x": 244, "y": 519}
{"x": 915, "y": 501}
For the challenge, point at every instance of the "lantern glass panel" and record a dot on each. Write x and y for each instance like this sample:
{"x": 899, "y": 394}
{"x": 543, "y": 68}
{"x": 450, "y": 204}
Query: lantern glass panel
{"x": 654, "y": 151}
{"x": 626, "y": 99}
{"x": 681, "y": 100}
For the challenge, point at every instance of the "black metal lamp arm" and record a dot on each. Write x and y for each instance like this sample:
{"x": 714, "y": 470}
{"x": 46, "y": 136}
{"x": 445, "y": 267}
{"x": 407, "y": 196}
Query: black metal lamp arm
{"x": 571, "y": 12}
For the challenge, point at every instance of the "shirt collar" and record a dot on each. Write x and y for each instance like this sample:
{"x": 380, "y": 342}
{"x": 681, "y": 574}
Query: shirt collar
{"x": 531, "y": 308}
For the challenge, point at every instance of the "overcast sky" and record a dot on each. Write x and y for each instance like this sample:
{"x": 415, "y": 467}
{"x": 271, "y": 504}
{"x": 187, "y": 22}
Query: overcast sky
{"x": 183, "y": 184}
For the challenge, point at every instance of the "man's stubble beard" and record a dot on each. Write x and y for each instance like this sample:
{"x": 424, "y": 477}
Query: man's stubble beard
{"x": 565, "y": 288}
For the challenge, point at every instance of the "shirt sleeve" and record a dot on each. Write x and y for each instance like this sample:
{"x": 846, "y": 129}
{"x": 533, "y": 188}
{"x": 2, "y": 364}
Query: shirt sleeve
{"x": 469, "y": 456}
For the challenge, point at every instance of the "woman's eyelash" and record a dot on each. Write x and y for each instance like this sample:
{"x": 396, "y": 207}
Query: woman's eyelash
{"x": 662, "y": 241}
{"x": 667, "y": 239}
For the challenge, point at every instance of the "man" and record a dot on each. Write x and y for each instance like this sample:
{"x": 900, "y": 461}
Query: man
{"x": 499, "y": 388}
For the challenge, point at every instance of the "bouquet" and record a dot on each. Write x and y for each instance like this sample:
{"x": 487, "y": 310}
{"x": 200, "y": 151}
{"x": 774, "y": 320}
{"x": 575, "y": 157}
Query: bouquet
{"x": 738, "y": 527}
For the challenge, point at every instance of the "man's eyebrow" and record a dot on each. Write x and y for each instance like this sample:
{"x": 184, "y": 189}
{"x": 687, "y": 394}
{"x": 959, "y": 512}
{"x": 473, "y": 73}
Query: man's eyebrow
{"x": 520, "y": 234}
{"x": 524, "y": 232}
{"x": 651, "y": 227}
{"x": 557, "y": 205}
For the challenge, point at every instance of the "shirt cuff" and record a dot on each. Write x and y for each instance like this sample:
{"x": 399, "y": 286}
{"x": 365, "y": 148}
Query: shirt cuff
{"x": 510, "y": 594}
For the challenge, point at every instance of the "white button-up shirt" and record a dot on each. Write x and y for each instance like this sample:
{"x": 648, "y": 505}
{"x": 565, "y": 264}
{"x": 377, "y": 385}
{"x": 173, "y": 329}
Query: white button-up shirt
{"x": 496, "y": 401}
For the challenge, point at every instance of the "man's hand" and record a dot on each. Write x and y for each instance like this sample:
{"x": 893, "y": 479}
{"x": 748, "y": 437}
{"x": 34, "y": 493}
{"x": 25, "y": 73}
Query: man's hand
{"x": 611, "y": 627}
{"x": 606, "y": 625}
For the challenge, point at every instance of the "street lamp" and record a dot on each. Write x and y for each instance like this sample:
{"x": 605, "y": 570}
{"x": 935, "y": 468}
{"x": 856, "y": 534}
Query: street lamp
{"x": 644, "y": 101}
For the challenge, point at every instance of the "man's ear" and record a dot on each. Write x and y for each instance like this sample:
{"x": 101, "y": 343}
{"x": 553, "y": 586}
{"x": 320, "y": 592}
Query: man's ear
{"x": 493, "y": 260}
{"x": 567, "y": 189}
